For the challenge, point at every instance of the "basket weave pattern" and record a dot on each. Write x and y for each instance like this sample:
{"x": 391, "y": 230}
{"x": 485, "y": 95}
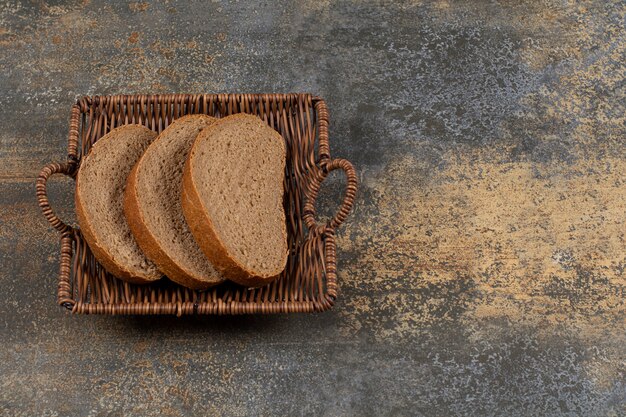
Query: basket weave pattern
{"x": 309, "y": 282}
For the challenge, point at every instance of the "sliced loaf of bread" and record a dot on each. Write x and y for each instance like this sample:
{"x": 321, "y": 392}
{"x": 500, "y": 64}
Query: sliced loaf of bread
{"x": 152, "y": 204}
{"x": 100, "y": 184}
{"x": 233, "y": 198}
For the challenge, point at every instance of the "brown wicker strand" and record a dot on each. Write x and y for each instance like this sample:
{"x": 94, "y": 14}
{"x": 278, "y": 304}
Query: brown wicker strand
{"x": 314, "y": 187}
{"x": 67, "y": 168}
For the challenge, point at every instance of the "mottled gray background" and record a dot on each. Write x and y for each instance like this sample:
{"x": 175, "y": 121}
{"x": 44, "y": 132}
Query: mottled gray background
{"x": 481, "y": 273}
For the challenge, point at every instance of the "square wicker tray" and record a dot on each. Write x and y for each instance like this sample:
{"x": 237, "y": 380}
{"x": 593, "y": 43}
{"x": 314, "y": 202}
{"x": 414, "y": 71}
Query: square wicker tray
{"x": 309, "y": 282}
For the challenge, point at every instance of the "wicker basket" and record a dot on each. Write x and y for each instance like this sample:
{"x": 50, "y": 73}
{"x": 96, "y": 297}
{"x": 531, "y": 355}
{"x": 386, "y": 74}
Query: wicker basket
{"x": 309, "y": 282}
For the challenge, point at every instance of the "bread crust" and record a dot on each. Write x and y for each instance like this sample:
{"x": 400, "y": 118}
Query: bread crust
{"x": 204, "y": 231}
{"x": 100, "y": 251}
{"x": 148, "y": 242}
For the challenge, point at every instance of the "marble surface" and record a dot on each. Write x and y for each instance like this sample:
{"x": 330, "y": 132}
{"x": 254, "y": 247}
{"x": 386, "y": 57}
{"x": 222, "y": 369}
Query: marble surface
{"x": 481, "y": 272}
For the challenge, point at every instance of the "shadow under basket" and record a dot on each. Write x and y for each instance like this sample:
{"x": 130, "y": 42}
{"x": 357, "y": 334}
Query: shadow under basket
{"x": 309, "y": 281}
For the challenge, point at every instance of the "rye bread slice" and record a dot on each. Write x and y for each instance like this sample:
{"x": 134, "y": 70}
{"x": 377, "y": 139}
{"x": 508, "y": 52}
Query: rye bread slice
{"x": 233, "y": 198}
{"x": 100, "y": 186}
{"x": 152, "y": 204}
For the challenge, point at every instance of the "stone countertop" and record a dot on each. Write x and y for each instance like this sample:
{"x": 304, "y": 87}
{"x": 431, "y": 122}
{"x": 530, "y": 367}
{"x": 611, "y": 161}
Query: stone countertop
{"x": 481, "y": 272}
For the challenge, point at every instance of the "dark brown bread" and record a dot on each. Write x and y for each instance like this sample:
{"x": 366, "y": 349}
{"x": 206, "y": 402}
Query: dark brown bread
{"x": 233, "y": 198}
{"x": 152, "y": 204}
{"x": 99, "y": 192}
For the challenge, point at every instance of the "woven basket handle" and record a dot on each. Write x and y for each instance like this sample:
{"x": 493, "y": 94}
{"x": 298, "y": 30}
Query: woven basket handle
{"x": 314, "y": 188}
{"x": 66, "y": 168}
